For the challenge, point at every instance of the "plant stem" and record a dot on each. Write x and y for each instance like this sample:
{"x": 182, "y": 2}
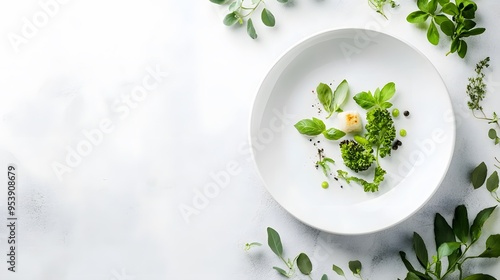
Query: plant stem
{"x": 251, "y": 9}
{"x": 459, "y": 262}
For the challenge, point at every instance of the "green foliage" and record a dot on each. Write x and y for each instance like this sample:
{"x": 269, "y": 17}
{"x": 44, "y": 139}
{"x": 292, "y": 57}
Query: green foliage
{"x": 241, "y": 11}
{"x": 447, "y": 246}
{"x": 301, "y": 261}
{"x": 454, "y": 19}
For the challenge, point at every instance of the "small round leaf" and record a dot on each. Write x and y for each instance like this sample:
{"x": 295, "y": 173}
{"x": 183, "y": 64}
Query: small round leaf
{"x": 478, "y": 175}
{"x": 417, "y": 17}
{"x": 492, "y": 182}
{"x": 304, "y": 264}
{"x": 492, "y": 133}
{"x": 251, "y": 29}
{"x": 433, "y": 34}
{"x": 231, "y": 19}
{"x": 268, "y": 18}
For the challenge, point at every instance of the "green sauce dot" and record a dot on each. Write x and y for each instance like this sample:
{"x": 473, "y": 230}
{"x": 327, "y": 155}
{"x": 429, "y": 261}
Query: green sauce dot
{"x": 402, "y": 132}
{"x": 325, "y": 185}
{"x": 395, "y": 113}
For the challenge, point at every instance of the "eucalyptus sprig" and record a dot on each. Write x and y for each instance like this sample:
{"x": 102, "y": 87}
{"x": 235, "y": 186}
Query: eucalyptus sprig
{"x": 302, "y": 260}
{"x": 241, "y": 11}
{"x": 456, "y": 20}
{"x": 452, "y": 242}
{"x": 476, "y": 91}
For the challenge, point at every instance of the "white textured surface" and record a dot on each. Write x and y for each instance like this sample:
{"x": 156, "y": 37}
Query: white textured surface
{"x": 116, "y": 215}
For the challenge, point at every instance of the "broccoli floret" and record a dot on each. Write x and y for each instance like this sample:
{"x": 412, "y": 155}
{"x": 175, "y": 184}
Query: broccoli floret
{"x": 356, "y": 156}
{"x": 380, "y": 130}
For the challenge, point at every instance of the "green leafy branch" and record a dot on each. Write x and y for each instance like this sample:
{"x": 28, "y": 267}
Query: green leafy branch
{"x": 241, "y": 11}
{"x": 452, "y": 242}
{"x": 454, "y": 19}
{"x": 476, "y": 91}
{"x": 301, "y": 261}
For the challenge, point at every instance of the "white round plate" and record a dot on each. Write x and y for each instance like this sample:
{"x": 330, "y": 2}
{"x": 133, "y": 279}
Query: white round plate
{"x": 286, "y": 159}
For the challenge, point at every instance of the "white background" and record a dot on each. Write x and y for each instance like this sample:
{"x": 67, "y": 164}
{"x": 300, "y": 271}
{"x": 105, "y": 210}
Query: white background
{"x": 115, "y": 213}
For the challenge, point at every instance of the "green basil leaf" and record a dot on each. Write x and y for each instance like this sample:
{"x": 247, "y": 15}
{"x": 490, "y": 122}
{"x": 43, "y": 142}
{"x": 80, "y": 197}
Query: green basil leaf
{"x": 469, "y": 24}
{"x": 469, "y": 11}
{"x": 473, "y": 32}
{"x": 433, "y": 34}
{"x": 231, "y": 19}
{"x": 365, "y": 100}
{"x": 477, "y": 225}
{"x": 268, "y": 18}
{"x": 338, "y": 270}
{"x": 478, "y": 175}
{"x": 420, "y": 250}
{"x": 462, "y": 49}
{"x": 492, "y": 182}
{"x": 479, "y": 277}
{"x": 333, "y": 134}
{"x": 492, "y": 247}
{"x": 432, "y": 6}
{"x": 387, "y": 92}
{"x": 448, "y": 27}
{"x": 461, "y": 223}
{"x": 220, "y": 2}
{"x": 450, "y": 9}
{"x": 407, "y": 264}
{"x": 324, "y": 277}
{"x": 422, "y": 5}
{"x": 281, "y": 271}
{"x": 440, "y": 19}
{"x": 447, "y": 249}
{"x": 251, "y": 29}
{"x": 355, "y": 267}
{"x": 274, "y": 242}
{"x": 443, "y": 2}
{"x": 304, "y": 264}
{"x": 417, "y": 17}
{"x": 386, "y": 105}
{"x": 492, "y": 133}
{"x": 339, "y": 96}
{"x": 311, "y": 127}
{"x": 376, "y": 96}
{"x": 325, "y": 96}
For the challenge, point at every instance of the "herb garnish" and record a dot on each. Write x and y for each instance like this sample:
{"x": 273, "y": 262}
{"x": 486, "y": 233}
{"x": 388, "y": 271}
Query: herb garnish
{"x": 332, "y": 100}
{"x": 239, "y": 12}
{"x": 302, "y": 260}
{"x": 476, "y": 91}
{"x": 452, "y": 242}
{"x": 458, "y": 27}
{"x": 315, "y": 126}
{"x": 380, "y": 134}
